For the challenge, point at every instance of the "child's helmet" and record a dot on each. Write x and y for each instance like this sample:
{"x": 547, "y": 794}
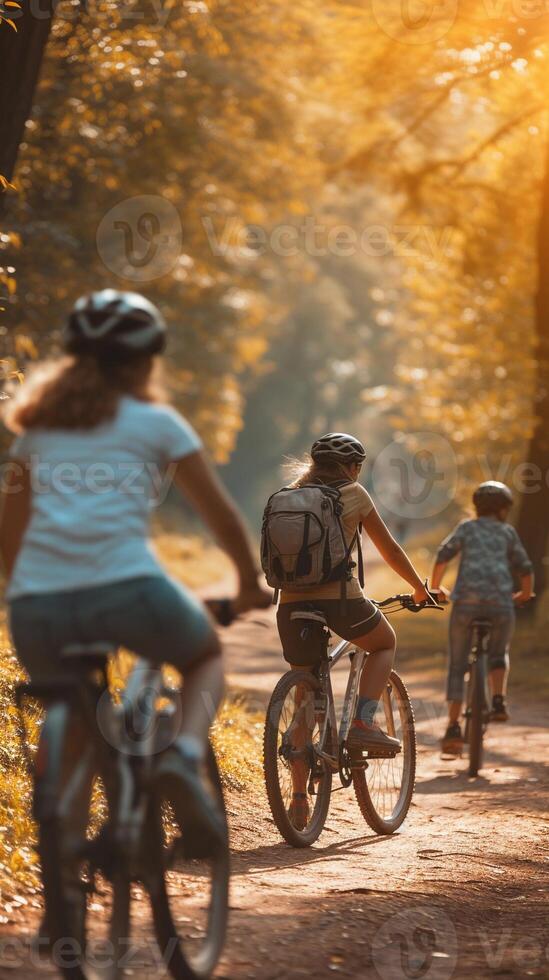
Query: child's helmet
{"x": 338, "y": 447}
{"x": 113, "y": 323}
{"x": 496, "y": 493}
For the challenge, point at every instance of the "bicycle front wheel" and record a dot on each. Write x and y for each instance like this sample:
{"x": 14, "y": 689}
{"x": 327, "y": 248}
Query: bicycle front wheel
{"x": 298, "y": 783}
{"x": 189, "y": 894}
{"x": 384, "y": 788}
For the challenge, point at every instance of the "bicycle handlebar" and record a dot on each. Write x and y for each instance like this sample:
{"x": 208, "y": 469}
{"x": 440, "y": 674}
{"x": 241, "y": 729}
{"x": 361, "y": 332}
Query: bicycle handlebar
{"x": 406, "y": 601}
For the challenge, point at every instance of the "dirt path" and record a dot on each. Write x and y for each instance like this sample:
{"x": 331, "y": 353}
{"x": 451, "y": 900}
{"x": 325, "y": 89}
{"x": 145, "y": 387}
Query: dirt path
{"x": 461, "y": 891}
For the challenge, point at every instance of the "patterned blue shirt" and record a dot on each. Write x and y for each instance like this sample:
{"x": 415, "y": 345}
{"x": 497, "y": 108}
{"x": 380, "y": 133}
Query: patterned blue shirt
{"x": 491, "y": 555}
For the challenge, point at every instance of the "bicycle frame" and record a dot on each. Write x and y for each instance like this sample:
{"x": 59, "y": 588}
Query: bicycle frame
{"x": 357, "y": 658}
{"x": 481, "y": 630}
{"x": 118, "y": 751}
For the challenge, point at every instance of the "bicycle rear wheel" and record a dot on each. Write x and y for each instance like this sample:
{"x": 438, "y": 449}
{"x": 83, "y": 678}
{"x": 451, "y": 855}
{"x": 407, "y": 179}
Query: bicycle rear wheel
{"x": 189, "y": 896}
{"x": 475, "y": 721}
{"x": 87, "y": 914}
{"x": 291, "y": 732}
{"x": 384, "y": 789}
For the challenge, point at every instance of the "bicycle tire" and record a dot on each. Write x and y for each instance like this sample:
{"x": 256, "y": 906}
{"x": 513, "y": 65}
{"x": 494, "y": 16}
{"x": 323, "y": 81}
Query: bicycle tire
{"x": 475, "y": 726}
{"x": 62, "y": 927}
{"x": 180, "y": 964}
{"x": 381, "y": 823}
{"x": 271, "y": 761}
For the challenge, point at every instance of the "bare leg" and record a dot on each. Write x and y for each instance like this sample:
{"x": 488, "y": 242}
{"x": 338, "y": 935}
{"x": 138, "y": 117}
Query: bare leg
{"x": 498, "y": 680}
{"x": 454, "y": 711}
{"x": 203, "y": 689}
{"x": 301, "y": 733}
{"x": 381, "y": 646}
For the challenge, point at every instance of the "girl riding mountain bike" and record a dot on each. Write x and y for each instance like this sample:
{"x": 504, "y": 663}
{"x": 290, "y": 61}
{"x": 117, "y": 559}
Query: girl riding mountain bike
{"x": 95, "y": 438}
{"x": 335, "y": 462}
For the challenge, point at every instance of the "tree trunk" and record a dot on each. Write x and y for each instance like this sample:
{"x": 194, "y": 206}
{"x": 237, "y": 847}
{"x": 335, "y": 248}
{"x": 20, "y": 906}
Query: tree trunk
{"x": 20, "y": 59}
{"x": 533, "y": 522}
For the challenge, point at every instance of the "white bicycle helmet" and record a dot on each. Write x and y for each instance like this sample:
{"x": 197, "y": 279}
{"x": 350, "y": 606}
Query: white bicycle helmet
{"x": 338, "y": 447}
{"x": 494, "y": 491}
{"x": 110, "y": 323}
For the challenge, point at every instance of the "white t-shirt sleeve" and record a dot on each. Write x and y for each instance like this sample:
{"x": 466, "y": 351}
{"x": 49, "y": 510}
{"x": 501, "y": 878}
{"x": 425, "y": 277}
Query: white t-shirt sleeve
{"x": 365, "y": 502}
{"x": 176, "y": 438}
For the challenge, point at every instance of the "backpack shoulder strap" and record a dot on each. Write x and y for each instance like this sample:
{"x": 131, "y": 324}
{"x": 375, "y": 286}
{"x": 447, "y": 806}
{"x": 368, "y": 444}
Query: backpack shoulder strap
{"x": 360, "y": 556}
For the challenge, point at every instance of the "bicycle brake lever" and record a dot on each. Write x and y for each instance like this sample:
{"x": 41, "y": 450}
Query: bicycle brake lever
{"x": 429, "y": 605}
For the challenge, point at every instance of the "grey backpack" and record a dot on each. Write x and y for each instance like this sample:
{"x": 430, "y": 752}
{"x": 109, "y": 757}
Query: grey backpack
{"x": 302, "y": 539}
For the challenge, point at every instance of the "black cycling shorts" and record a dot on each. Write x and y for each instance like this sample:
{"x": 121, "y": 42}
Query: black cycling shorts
{"x": 302, "y": 641}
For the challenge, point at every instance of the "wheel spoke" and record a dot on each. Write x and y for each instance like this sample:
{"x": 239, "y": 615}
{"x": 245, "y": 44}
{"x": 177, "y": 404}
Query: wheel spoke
{"x": 292, "y": 732}
{"x": 384, "y": 790}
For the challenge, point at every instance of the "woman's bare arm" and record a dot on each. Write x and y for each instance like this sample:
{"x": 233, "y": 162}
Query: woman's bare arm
{"x": 199, "y": 483}
{"x": 15, "y": 499}
{"x": 393, "y": 554}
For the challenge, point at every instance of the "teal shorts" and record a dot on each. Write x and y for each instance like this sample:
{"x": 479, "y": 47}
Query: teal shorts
{"x": 153, "y": 616}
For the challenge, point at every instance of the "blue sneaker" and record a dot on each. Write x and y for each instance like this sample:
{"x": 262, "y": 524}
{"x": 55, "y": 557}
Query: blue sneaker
{"x": 179, "y": 781}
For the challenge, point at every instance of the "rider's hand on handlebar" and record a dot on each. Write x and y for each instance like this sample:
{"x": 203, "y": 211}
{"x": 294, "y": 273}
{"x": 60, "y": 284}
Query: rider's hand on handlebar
{"x": 441, "y": 594}
{"x": 252, "y": 596}
{"x": 421, "y": 595}
{"x": 521, "y": 598}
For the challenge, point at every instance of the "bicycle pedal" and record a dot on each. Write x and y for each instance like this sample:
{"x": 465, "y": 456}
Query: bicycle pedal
{"x": 380, "y": 754}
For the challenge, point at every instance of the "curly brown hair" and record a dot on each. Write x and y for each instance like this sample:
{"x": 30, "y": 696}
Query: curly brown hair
{"x": 79, "y": 392}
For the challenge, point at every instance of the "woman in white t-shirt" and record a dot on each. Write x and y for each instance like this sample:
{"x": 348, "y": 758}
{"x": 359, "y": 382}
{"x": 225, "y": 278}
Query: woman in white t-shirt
{"x": 96, "y": 447}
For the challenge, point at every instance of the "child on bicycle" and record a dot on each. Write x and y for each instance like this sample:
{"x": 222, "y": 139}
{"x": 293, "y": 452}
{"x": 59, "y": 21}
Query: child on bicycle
{"x": 336, "y": 460}
{"x": 491, "y": 555}
{"x": 94, "y": 438}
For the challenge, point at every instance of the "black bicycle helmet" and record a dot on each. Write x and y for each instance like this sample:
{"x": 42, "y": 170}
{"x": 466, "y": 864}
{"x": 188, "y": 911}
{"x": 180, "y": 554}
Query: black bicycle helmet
{"x": 494, "y": 493}
{"x": 110, "y": 323}
{"x": 338, "y": 447}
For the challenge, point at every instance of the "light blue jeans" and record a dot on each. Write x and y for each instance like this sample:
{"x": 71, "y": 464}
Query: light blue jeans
{"x": 461, "y": 620}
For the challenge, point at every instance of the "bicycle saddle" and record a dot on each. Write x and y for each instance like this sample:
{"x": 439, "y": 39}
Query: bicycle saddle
{"x": 309, "y": 614}
{"x": 87, "y": 652}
